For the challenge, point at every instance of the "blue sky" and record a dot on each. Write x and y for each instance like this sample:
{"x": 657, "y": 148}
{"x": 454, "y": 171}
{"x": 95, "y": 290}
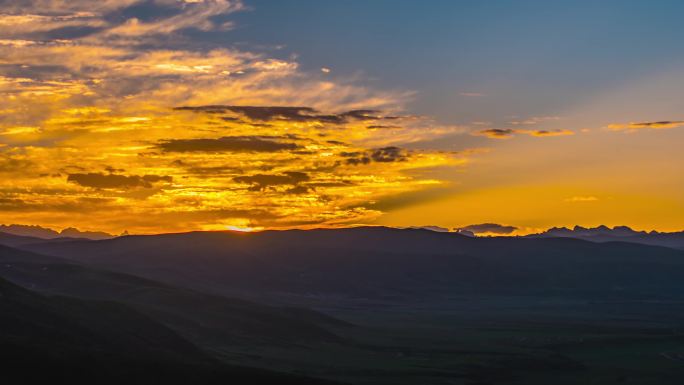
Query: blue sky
{"x": 526, "y": 57}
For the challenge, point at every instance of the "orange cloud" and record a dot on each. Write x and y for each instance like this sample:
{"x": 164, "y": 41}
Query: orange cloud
{"x": 665, "y": 124}
{"x": 542, "y": 133}
{"x": 128, "y": 127}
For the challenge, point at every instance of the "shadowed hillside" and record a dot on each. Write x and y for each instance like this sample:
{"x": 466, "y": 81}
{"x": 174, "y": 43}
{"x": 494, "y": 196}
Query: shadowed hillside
{"x": 427, "y": 307}
{"x": 209, "y": 319}
{"x": 60, "y": 339}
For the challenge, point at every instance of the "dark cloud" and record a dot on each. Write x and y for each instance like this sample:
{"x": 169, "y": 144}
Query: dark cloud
{"x": 505, "y": 133}
{"x": 13, "y": 164}
{"x": 215, "y": 171}
{"x": 382, "y": 155}
{"x": 663, "y": 124}
{"x": 498, "y": 133}
{"x": 356, "y": 158}
{"x": 364, "y": 115}
{"x": 261, "y": 182}
{"x": 381, "y": 127}
{"x": 198, "y": 168}
{"x": 660, "y": 123}
{"x": 112, "y": 170}
{"x": 389, "y": 154}
{"x": 295, "y": 114}
{"x": 542, "y": 133}
{"x": 77, "y": 206}
{"x": 336, "y": 142}
{"x": 105, "y": 181}
{"x": 493, "y": 228}
{"x": 298, "y": 190}
{"x": 11, "y": 204}
{"x": 228, "y": 144}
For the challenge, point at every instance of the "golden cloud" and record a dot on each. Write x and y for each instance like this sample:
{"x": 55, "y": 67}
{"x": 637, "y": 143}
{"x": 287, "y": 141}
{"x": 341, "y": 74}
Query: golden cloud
{"x": 122, "y": 128}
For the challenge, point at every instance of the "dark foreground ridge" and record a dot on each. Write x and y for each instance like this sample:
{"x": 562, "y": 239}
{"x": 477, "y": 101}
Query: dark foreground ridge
{"x": 67, "y": 340}
{"x": 367, "y": 305}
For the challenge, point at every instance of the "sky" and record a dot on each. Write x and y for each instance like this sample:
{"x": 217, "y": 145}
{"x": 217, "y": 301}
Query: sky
{"x": 154, "y": 116}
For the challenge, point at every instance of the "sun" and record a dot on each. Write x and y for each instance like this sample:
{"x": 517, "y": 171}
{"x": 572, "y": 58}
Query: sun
{"x": 243, "y": 229}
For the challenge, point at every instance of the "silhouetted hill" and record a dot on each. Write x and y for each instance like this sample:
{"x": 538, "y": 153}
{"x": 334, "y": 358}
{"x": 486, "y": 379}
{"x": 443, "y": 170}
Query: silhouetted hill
{"x": 386, "y": 262}
{"x": 65, "y": 340}
{"x": 14, "y": 240}
{"x": 207, "y": 319}
{"x": 18, "y": 240}
{"x": 431, "y": 307}
{"x": 616, "y": 234}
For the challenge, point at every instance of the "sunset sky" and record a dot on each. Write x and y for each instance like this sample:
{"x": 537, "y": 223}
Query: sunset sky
{"x": 175, "y": 115}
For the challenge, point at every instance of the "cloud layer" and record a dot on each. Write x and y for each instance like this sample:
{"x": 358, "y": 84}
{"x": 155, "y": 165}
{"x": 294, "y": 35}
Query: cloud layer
{"x": 112, "y": 114}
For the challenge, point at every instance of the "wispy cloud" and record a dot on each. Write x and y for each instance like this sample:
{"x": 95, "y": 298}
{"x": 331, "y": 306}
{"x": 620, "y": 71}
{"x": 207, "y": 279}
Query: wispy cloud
{"x": 227, "y": 144}
{"x": 543, "y": 133}
{"x": 472, "y": 94}
{"x": 496, "y": 133}
{"x": 507, "y": 133}
{"x": 196, "y": 14}
{"x": 100, "y": 180}
{"x": 659, "y": 125}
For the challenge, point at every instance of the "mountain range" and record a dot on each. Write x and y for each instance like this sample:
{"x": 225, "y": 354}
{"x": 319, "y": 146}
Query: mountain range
{"x": 618, "y": 233}
{"x": 47, "y": 233}
{"x": 381, "y": 262}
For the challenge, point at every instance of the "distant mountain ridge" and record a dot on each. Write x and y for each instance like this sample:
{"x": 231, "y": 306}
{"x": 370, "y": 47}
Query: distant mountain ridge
{"x": 616, "y": 234}
{"x": 47, "y": 233}
{"x": 19, "y": 235}
{"x": 382, "y": 262}
{"x": 579, "y": 231}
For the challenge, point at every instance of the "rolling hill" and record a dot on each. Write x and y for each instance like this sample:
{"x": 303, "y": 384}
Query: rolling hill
{"x": 427, "y": 307}
{"x": 206, "y": 319}
{"x": 66, "y": 340}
